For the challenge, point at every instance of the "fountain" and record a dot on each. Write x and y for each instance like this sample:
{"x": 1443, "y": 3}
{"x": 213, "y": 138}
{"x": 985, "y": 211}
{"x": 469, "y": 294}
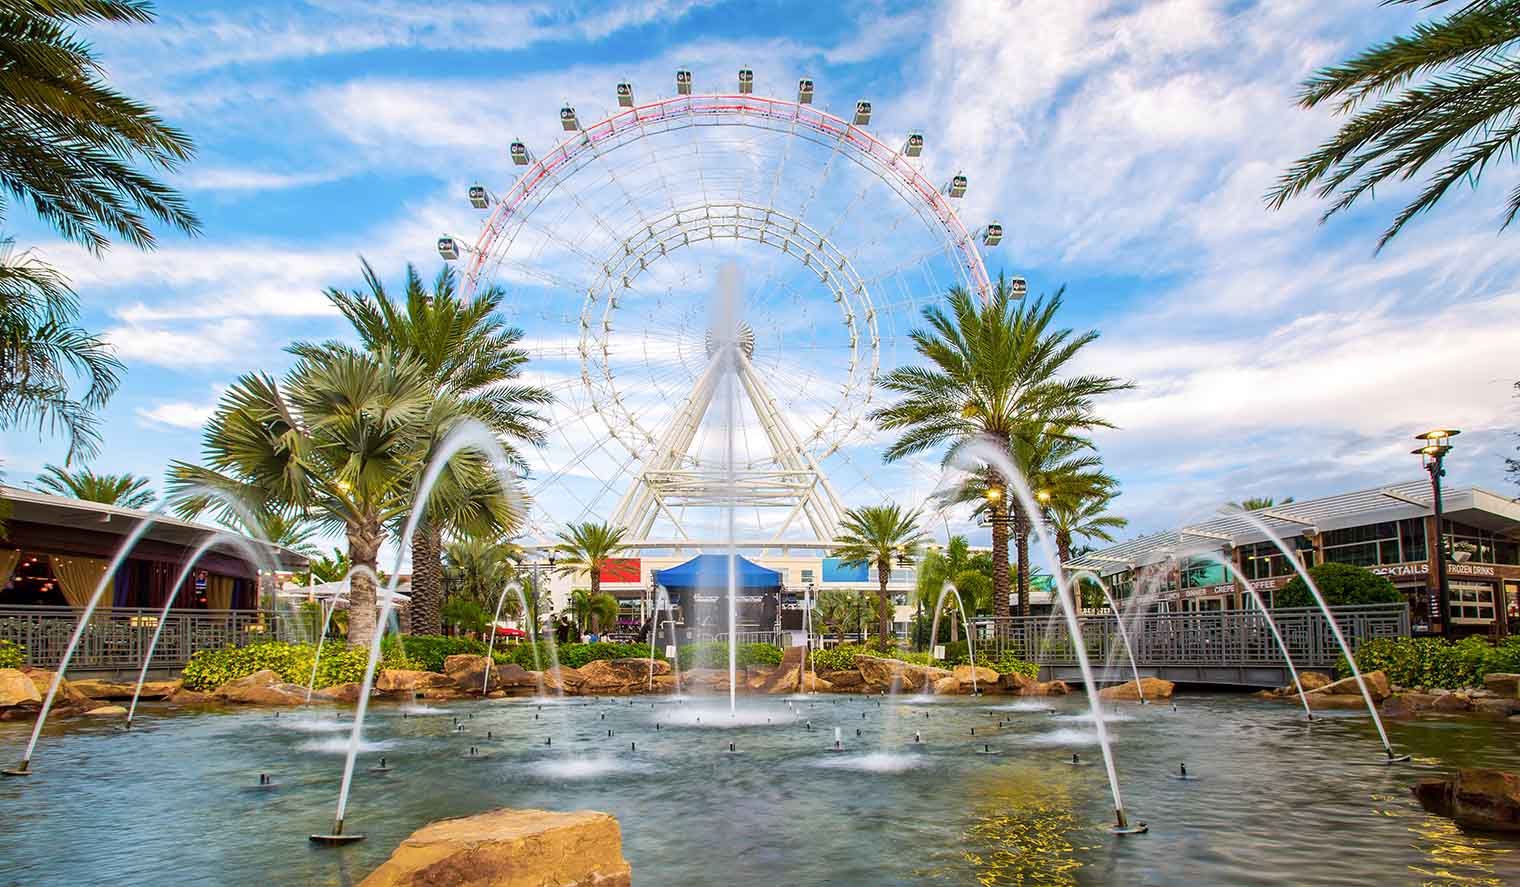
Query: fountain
{"x": 987, "y": 451}
{"x": 1335, "y": 629}
{"x": 1129, "y": 649}
{"x": 949, "y": 588}
{"x": 490, "y": 665}
{"x": 662, "y": 596}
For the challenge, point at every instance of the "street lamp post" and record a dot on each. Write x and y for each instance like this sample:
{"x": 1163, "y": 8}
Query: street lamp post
{"x": 1436, "y": 444}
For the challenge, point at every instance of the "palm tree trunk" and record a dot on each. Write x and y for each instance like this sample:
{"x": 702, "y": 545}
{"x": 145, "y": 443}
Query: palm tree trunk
{"x": 1000, "y": 581}
{"x": 1021, "y": 541}
{"x": 427, "y": 579}
{"x": 883, "y": 604}
{"x": 363, "y": 550}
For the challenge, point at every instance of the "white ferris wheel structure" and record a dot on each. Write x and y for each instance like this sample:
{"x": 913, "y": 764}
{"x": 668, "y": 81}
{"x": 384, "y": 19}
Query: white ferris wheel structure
{"x": 608, "y": 244}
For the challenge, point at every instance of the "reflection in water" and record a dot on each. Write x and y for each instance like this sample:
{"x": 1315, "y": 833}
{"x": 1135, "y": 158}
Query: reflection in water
{"x": 1459, "y": 857}
{"x": 1023, "y": 831}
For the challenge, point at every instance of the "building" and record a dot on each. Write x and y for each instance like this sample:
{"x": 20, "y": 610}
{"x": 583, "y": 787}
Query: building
{"x": 56, "y": 550}
{"x": 1389, "y": 530}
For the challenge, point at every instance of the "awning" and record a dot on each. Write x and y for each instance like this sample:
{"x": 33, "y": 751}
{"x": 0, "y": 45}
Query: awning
{"x": 709, "y": 572}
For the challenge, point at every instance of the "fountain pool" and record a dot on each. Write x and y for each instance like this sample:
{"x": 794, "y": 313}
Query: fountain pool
{"x": 1276, "y": 800}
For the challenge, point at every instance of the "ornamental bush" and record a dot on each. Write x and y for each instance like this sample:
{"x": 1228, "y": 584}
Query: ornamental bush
{"x": 430, "y": 651}
{"x": 714, "y": 654}
{"x": 842, "y": 657}
{"x": 570, "y": 655}
{"x": 341, "y": 663}
{"x": 12, "y": 654}
{"x": 1436, "y": 662}
{"x": 1343, "y": 585}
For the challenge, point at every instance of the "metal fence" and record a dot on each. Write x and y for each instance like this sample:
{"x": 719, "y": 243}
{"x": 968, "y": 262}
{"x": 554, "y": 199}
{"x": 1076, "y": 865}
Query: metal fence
{"x": 117, "y": 638}
{"x": 1226, "y": 638}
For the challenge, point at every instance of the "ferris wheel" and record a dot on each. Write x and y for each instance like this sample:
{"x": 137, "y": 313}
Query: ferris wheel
{"x": 609, "y": 244}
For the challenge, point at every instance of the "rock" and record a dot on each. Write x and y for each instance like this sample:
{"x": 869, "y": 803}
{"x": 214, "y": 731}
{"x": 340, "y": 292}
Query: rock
{"x": 949, "y": 686}
{"x": 1503, "y": 684}
{"x": 1312, "y": 680}
{"x": 783, "y": 679}
{"x": 793, "y": 656}
{"x": 1377, "y": 686}
{"x": 261, "y": 688}
{"x": 67, "y": 697}
{"x": 403, "y": 680}
{"x": 1149, "y": 689}
{"x": 567, "y": 680}
{"x": 107, "y": 711}
{"x": 1488, "y": 800}
{"x": 812, "y": 682}
{"x": 1451, "y": 703}
{"x": 191, "y": 697}
{"x": 1497, "y": 707}
{"x": 842, "y": 680}
{"x": 123, "y": 689}
{"x": 618, "y": 677}
{"x": 1017, "y": 684}
{"x": 1050, "y": 688}
{"x": 510, "y": 848}
{"x": 893, "y": 675}
{"x": 16, "y": 689}
{"x": 710, "y": 679}
{"x": 986, "y": 678}
{"x": 344, "y": 693}
{"x": 1406, "y": 705}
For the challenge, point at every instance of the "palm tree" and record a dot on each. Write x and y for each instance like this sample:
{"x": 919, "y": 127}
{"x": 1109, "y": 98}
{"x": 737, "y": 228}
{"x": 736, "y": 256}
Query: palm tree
{"x": 954, "y": 564}
{"x": 1082, "y": 514}
{"x": 69, "y": 142}
{"x": 875, "y": 534}
{"x": 337, "y": 440}
{"x": 593, "y": 609}
{"x": 467, "y": 349}
{"x": 121, "y": 490}
{"x": 838, "y": 609}
{"x": 290, "y": 532}
{"x": 994, "y": 369}
{"x": 1444, "y": 90}
{"x": 44, "y": 354}
{"x": 586, "y": 548}
{"x": 1256, "y": 503}
{"x": 330, "y": 569}
{"x": 479, "y": 568}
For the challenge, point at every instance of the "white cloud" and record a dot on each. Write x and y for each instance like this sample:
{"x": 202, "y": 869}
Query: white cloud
{"x": 178, "y": 413}
{"x": 235, "y": 179}
{"x": 227, "y": 341}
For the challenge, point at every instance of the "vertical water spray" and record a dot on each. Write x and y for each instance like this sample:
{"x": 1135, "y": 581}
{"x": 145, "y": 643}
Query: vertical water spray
{"x": 950, "y": 589}
{"x": 1129, "y": 649}
{"x": 490, "y": 666}
{"x": 989, "y": 452}
{"x": 726, "y": 321}
{"x": 1335, "y": 629}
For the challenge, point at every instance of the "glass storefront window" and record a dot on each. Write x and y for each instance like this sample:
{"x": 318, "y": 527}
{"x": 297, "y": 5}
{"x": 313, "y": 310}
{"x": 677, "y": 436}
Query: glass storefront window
{"x": 1491, "y": 548}
{"x": 1389, "y": 542}
{"x": 1471, "y": 603}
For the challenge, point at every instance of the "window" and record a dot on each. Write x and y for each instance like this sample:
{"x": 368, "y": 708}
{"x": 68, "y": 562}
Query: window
{"x": 1122, "y": 584}
{"x": 1491, "y": 548}
{"x": 1471, "y": 603}
{"x": 1263, "y": 560}
{"x": 1389, "y": 542}
{"x": 807, "y": 576}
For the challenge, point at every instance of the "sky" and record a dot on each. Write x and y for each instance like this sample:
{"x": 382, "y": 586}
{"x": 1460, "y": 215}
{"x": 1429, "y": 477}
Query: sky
{"x": 1124, "y": 147}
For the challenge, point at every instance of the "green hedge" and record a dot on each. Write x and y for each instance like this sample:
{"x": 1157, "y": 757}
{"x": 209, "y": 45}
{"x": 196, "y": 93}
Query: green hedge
{"x": 570, "y": 655}
{"x": 1435, "y": 662}
{"x": 714, "y": 654}
{"x": 341, "y": 663}
{"x": 1343, "y": 585}
{"x": 843, "y": 656}
{"x": 430, "y": 650}
{"x": 12, "y": 654}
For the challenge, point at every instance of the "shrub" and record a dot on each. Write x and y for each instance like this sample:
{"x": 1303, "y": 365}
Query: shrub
{"x": 1435, "y": 662}
{"x": 1343, "y": 585}
{"x": 430, "y": 650}
{"x": 714, "y": 654}
{"x": 341, "y": 664}
{"x": 843, "y": 656}
{"x": 570, "y": 655}
{"x": 12, "y": 654}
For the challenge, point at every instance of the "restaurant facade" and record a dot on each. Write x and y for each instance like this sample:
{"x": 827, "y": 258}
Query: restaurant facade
{"x": 1391, "y": 531}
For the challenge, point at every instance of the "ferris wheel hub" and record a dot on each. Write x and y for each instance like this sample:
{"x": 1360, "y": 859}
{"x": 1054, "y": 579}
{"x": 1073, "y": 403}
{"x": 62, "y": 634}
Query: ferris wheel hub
{"x": 744, "y": 338}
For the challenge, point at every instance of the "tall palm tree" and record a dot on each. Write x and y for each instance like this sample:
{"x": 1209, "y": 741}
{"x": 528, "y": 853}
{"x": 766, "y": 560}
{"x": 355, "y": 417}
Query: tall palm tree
{"x": 122, "y": 490}
{"x": 1446, "y": 92}
{"x": 586, "y": 548}
{"x": 467, "y": 349}
{"x": 875, "y": 534}
{"x": 593, "y": 610}
{"x": 1085, "y": 514}
{"x": 44, "y": 354}
{"x": 994, "y": 368}
{"x": 337, "y": 440}
{"x": 479, "y": 568}
{"x": 69, "y": 143}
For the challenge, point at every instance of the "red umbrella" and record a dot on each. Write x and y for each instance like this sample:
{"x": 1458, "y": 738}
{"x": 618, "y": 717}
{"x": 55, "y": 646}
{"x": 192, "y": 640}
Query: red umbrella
{"x": 510, "y": 632}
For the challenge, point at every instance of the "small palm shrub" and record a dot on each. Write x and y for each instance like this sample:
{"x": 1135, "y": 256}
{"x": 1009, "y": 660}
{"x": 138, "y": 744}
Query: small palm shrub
{"x": 12, "y": 654}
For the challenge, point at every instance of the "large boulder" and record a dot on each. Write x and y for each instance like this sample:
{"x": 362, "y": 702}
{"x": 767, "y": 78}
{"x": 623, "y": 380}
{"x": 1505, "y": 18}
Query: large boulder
{"x": 1451, "y": 703}
{"x": 1406, "y": 705}
{"x": 68, "y": 698}
{"x": 191, "y": 697}
{"x": 1377, "y": 686}
{"x": 813, "y": 682}
{"x": 107, "y": 711}
{"x": 510, "y": 848}
{"x": 567, "y": 680}
{"x": 781, "y": 679}
{"x": 845, "y": 679}
{"x": 1312, "y": 680}
{"x": 1149, "y": 688}
{"x": 1503, "y": 685}
{"x": 1017, "y": 684}
{"x": 1498, "y": 707}
{"x": 123, "y": 689}
{"x": 17, "y": 690}
{"x": 347, "y": 694}
{"x": 949, "y": 685}
{"x": 892, "y": 675}
{"x": 618, "y": 677}
{"x": 986, "y": 678}
{"x": 1051, "y": 688}
{"x": 1488, "y": 800}
{"x": 261, "y": 688}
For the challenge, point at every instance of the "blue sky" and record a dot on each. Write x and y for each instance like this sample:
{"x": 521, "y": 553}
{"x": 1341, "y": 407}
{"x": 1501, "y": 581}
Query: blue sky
{"x": 1125, "y": 147}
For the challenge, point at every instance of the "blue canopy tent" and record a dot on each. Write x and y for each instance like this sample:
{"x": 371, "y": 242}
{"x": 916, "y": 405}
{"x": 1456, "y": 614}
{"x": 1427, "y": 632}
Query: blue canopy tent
{"x": 699, "y": 585}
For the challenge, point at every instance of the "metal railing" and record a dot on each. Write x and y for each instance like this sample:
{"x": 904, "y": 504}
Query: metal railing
{"x": 1226, "y": 638}
{"x": 745, "y": 637}
{"x": 117, "y": 638}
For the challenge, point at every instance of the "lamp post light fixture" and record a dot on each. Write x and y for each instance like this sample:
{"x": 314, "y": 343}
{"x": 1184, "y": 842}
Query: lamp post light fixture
{"x": 1435, "y": 444}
